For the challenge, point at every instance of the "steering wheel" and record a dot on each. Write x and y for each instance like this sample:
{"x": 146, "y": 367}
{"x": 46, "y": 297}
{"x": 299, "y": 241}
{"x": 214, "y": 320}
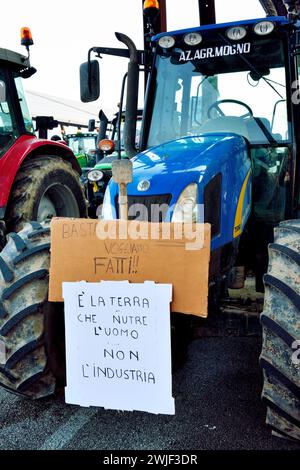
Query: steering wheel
{"x": 216, "y": 106}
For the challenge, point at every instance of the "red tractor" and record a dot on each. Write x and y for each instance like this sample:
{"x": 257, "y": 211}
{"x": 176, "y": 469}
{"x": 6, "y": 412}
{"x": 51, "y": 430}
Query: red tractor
{"x": 39, "y": 177}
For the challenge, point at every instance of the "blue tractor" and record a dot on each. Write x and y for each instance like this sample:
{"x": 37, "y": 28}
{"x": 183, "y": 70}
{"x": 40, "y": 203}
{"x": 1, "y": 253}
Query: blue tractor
{"x": 219, "y": 131}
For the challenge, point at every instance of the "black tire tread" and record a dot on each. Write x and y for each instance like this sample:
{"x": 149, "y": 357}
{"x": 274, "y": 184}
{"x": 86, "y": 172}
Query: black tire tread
{"x": 23, "y": 299}
{"x": 281, "y": 327}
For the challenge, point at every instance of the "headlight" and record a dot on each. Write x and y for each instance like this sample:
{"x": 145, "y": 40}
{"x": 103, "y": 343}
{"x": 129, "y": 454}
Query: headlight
{"x": 166, "y": 42}
{"x": 264, "y": 27}
{"x": 186, "y": 208}
{"x": 192, "y": 39}
{"x": 95, "y": 175}
{"x": 108, "y": 210}
{"x": 236, "y": 33}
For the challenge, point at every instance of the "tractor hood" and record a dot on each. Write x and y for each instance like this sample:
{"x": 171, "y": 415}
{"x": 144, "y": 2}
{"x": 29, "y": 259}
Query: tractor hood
{"x": 219, "y": 164}
{"x": 171, "y": 166}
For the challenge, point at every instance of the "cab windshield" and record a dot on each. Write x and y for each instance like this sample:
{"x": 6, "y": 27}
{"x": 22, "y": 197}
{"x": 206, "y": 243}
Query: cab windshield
{"x": 82, "y": 144}
{"x": 238, "y": 88}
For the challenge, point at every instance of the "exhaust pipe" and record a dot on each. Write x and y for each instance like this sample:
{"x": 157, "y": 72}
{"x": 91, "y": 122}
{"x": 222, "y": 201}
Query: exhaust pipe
{"x": 132, "y": 96}
{"x": 103, "y": 121}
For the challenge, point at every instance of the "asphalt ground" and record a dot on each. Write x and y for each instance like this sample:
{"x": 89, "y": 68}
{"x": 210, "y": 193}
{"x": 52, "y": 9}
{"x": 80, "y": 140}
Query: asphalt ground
{"x": 217, "y": 399}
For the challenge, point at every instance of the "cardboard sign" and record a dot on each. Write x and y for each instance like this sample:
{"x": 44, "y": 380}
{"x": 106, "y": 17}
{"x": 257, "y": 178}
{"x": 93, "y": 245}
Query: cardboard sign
{"x": 118, "y": 346}
{"x": 133, "y": 251}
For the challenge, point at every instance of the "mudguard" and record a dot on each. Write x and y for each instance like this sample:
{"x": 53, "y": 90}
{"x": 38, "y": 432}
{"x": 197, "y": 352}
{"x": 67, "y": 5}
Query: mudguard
{"x": 24, "y": 146}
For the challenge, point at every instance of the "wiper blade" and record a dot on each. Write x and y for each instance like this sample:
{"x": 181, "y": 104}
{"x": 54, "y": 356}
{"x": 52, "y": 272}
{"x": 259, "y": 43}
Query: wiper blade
{"x": 270, "y": 85}
{"x": 276, "y": 83}
{"x": 251, "y": 66}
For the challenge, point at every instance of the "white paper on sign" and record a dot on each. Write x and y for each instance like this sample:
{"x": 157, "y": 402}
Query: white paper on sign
{"x": 118, "y": 345}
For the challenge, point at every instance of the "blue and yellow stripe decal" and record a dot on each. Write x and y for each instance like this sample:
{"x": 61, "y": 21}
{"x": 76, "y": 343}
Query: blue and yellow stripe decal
{"x": 238, "y": 221}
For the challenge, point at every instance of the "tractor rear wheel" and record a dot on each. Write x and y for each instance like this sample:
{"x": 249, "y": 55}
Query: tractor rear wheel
{"x": 25, "y": 362}
{"x": 280, "y": 357}
{"x": 45, "y": 186}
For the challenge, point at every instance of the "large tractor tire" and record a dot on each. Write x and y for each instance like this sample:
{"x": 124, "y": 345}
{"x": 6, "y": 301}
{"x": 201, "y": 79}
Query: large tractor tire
{"x": 45, "y": 186}
{"x": 25, "y": 368}
{"x": 281, "y": 332}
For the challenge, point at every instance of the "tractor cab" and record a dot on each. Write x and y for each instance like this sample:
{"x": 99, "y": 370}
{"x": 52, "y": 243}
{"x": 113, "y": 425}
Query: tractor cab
{"x": 218, "y": 133}
{"x": 229, "y": 79}
{"x": 15, "y": 118}
{"x": 83, "y": 145}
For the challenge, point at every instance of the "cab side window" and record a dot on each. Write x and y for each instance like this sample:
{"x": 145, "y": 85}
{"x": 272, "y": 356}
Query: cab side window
{"x": 8, "y": 128}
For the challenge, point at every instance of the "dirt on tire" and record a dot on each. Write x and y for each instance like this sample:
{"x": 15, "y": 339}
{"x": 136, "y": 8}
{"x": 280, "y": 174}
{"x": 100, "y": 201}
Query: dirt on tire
{"x": 37, "y": 177}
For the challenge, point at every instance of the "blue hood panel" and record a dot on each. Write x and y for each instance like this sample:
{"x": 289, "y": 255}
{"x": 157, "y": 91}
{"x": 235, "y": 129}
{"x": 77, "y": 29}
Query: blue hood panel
{"x": 175, "y": 164}
{"x": 171, "y": 167}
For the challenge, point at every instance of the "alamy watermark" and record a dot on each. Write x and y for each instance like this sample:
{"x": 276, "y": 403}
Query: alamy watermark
{"x": 296, "y": 92}
{"x": 184, "y": 227}
{"x": 2, "y": 92}
{"x": 296, "y": 354}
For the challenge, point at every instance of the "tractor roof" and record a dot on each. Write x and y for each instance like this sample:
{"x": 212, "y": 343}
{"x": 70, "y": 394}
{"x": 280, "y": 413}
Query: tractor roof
{"x": 279, "y": 20}
{"x": 14, "y": 59}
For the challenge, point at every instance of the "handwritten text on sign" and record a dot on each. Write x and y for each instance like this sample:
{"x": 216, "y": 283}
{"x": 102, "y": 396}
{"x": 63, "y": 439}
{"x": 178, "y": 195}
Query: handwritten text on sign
{"x": 118, "y": 346}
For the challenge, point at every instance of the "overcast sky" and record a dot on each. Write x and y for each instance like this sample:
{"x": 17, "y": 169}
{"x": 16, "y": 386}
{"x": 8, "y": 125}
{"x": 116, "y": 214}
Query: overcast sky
{"x": 64, "y": 30}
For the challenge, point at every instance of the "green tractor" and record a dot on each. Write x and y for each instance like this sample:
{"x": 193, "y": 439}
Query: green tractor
{"x": 83, "y": 146}
{"x": 110, "y": 149}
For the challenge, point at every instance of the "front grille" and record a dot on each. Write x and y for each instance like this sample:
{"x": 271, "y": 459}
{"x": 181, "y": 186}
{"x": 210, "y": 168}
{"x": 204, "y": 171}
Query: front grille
{"x": 147, "y": 208}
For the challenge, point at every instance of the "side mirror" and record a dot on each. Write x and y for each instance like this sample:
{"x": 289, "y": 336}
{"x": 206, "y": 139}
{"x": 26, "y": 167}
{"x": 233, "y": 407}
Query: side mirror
{"x": 92, "y": 125}
{"x": 89, "y": 81}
